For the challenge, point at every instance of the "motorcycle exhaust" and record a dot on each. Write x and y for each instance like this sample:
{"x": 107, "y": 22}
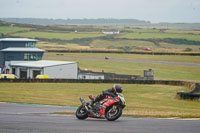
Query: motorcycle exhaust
{"x": 83, "y": 102}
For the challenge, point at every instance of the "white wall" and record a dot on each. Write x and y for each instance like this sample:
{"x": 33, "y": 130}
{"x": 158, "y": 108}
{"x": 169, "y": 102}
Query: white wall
{"x": 85, "y": 76}
{"x": 67, "y": 71}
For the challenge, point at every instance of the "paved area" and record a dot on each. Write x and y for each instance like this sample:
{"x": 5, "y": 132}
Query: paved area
{"x": 130, "y": 60}
{"x": 23, "y": 118}
{"x": 16, "y": 108}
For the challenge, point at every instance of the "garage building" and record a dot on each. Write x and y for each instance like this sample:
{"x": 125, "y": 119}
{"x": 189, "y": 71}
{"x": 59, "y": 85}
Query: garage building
{"x": 54, "y": 69}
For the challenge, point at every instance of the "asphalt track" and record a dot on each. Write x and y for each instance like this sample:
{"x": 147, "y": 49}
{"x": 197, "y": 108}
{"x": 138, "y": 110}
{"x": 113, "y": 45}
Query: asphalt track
{"x": 125, "y": 60}
{"x": 25, "y": 118}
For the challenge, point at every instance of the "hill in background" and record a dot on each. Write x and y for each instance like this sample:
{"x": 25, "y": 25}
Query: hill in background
{"x": 103, "y": 22}
{"x": 116, "y": 38}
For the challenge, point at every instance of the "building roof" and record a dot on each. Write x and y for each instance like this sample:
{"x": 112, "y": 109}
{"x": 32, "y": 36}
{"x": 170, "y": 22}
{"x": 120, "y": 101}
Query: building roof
{"x": 18, "y": 39}
{"x": 22, "y": 49}
{"x": 40, "y": 63}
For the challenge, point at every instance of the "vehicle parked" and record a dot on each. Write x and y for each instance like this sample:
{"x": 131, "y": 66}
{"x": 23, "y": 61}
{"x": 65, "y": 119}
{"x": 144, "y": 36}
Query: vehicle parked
{"x": 42, "y": 77}
{"x": 8, "y": 76}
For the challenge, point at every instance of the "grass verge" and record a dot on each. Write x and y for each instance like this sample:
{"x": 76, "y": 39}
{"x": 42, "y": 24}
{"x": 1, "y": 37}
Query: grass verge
{"x": 142, "y": 100}
{"x": 96, "y": 62}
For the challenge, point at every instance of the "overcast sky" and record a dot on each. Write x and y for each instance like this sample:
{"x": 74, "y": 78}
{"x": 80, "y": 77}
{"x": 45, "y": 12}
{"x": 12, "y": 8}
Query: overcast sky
{"x": 149, "y": 10}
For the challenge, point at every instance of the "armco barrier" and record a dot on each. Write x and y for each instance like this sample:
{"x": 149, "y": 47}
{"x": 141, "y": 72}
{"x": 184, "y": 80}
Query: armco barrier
{"x": 189, "y": 96}
{"x": 193, "y": 86}
{"x": 165, "y": 82}
{"x": 122, "y": 52}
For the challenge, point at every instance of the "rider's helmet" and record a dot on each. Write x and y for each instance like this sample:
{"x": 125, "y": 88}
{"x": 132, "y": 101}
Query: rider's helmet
{"x": 117, "y": 88}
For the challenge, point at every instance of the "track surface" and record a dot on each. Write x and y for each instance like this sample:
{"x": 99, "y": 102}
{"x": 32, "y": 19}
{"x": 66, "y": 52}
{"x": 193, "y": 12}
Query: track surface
{"x": 24, "y": 118}
{"x": 129, "y": 60}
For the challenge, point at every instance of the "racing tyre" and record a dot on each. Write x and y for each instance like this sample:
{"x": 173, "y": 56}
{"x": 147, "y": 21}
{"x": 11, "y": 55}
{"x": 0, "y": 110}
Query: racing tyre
{"x": 113, "y": 113}
{"x": 81, "y": 113}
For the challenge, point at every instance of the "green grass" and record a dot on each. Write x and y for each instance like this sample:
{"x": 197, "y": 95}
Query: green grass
{"x": 172, "y": 58}
{"x": 177, "y": 48}
{"x": 141, "y": 100}
{"x": 119, "y": 44}
{"x": 90, "y": 34}
{"x": 169, "y": 72}
{"x": 160, "y": 36}
{"x": 8, "y": 29}
{"x": 142, "y": 30}
{"x": 62, "y": 36}
{"x": 54, "y": 46}
{"x": 156, "y": 30}
{"x": 196, "y": 32}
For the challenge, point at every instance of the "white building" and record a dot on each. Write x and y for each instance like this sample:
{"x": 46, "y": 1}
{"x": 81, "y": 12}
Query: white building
{"x": 54, "y": 69}
{"x": 110, "y": 32}
{"x": 90, "y": 76}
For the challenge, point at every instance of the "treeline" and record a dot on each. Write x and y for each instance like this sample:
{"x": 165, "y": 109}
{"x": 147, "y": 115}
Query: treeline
{"x": 103, "y": 22}
{"x": 100, "y": 21}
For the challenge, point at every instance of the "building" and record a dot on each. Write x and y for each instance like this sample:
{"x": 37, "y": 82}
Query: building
{"x": 90, "y": 75}
{"x": 110, "y": 32}
{"x": 149, "y": 74}
{"x": 20, "y": 57}
{"x": 18, "y": 49}
{"x": 54, "y": 69}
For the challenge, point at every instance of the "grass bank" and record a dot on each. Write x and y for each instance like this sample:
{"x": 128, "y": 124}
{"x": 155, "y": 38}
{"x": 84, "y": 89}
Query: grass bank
{"x": 173, "y": 58}
{"x": 160, "y": 36}
{"x": 62, "y": 36}
{"x": 96, "y": 62}
{"x": 142, "y": 100}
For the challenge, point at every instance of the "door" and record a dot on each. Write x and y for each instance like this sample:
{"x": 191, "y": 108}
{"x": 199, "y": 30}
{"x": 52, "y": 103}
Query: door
{"x": 13, "y": 70}
{"x": 23, "y": 74}
{"x": 36, "y": 72}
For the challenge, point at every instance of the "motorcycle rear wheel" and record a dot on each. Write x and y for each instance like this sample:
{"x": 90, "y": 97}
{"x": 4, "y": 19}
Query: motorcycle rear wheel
{"x": 81, "y": 113}
{"x": 113, "y": 113}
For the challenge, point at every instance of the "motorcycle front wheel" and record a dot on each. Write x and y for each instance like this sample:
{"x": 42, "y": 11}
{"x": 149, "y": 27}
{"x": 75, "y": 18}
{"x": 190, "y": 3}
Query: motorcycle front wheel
{"x": 113, "y": 113}
{"x": 81, "y": 113}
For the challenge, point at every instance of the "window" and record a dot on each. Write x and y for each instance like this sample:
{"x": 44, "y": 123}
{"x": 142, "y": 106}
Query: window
{"x": 26, "y": 56}
{"x": 32, "y": 56}
{"x": 11, "y": 57}
{"x": 30, "y": 44}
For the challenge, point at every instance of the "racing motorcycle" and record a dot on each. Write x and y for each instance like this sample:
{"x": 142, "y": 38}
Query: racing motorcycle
{"x": 109, "y": 108}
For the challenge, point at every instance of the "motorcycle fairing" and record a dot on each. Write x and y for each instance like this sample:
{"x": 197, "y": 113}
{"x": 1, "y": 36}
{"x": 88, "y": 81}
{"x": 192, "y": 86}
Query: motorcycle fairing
{"x": 103, "y": 105}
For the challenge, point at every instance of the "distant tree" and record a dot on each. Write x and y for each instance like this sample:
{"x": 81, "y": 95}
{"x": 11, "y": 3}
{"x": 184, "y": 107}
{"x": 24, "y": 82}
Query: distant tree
{"x": 127, "y": 48}
{"x": 1, "y": 35}
{"x": 188, "y": 49}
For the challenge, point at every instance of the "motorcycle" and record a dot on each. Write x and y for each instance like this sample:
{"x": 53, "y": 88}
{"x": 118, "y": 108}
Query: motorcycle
{"x": 109, "y": 108}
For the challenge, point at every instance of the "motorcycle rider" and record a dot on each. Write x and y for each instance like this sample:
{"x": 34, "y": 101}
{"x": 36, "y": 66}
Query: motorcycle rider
{"x": 117, "y": 88}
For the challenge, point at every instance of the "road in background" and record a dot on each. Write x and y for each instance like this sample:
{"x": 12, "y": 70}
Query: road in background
{"x": 24, "y": 118}
{"x": 128, "y": 60}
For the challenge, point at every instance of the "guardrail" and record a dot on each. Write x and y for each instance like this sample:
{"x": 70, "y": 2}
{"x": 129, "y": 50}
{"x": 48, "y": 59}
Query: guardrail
{"x": 165, "y": 82}
{"x": 193, "y": 86}
{"x": 123, "y": 52}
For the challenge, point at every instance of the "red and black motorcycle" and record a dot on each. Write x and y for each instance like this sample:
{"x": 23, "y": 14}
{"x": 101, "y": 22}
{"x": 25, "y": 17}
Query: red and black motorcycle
{"x": 109, "y": 108}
